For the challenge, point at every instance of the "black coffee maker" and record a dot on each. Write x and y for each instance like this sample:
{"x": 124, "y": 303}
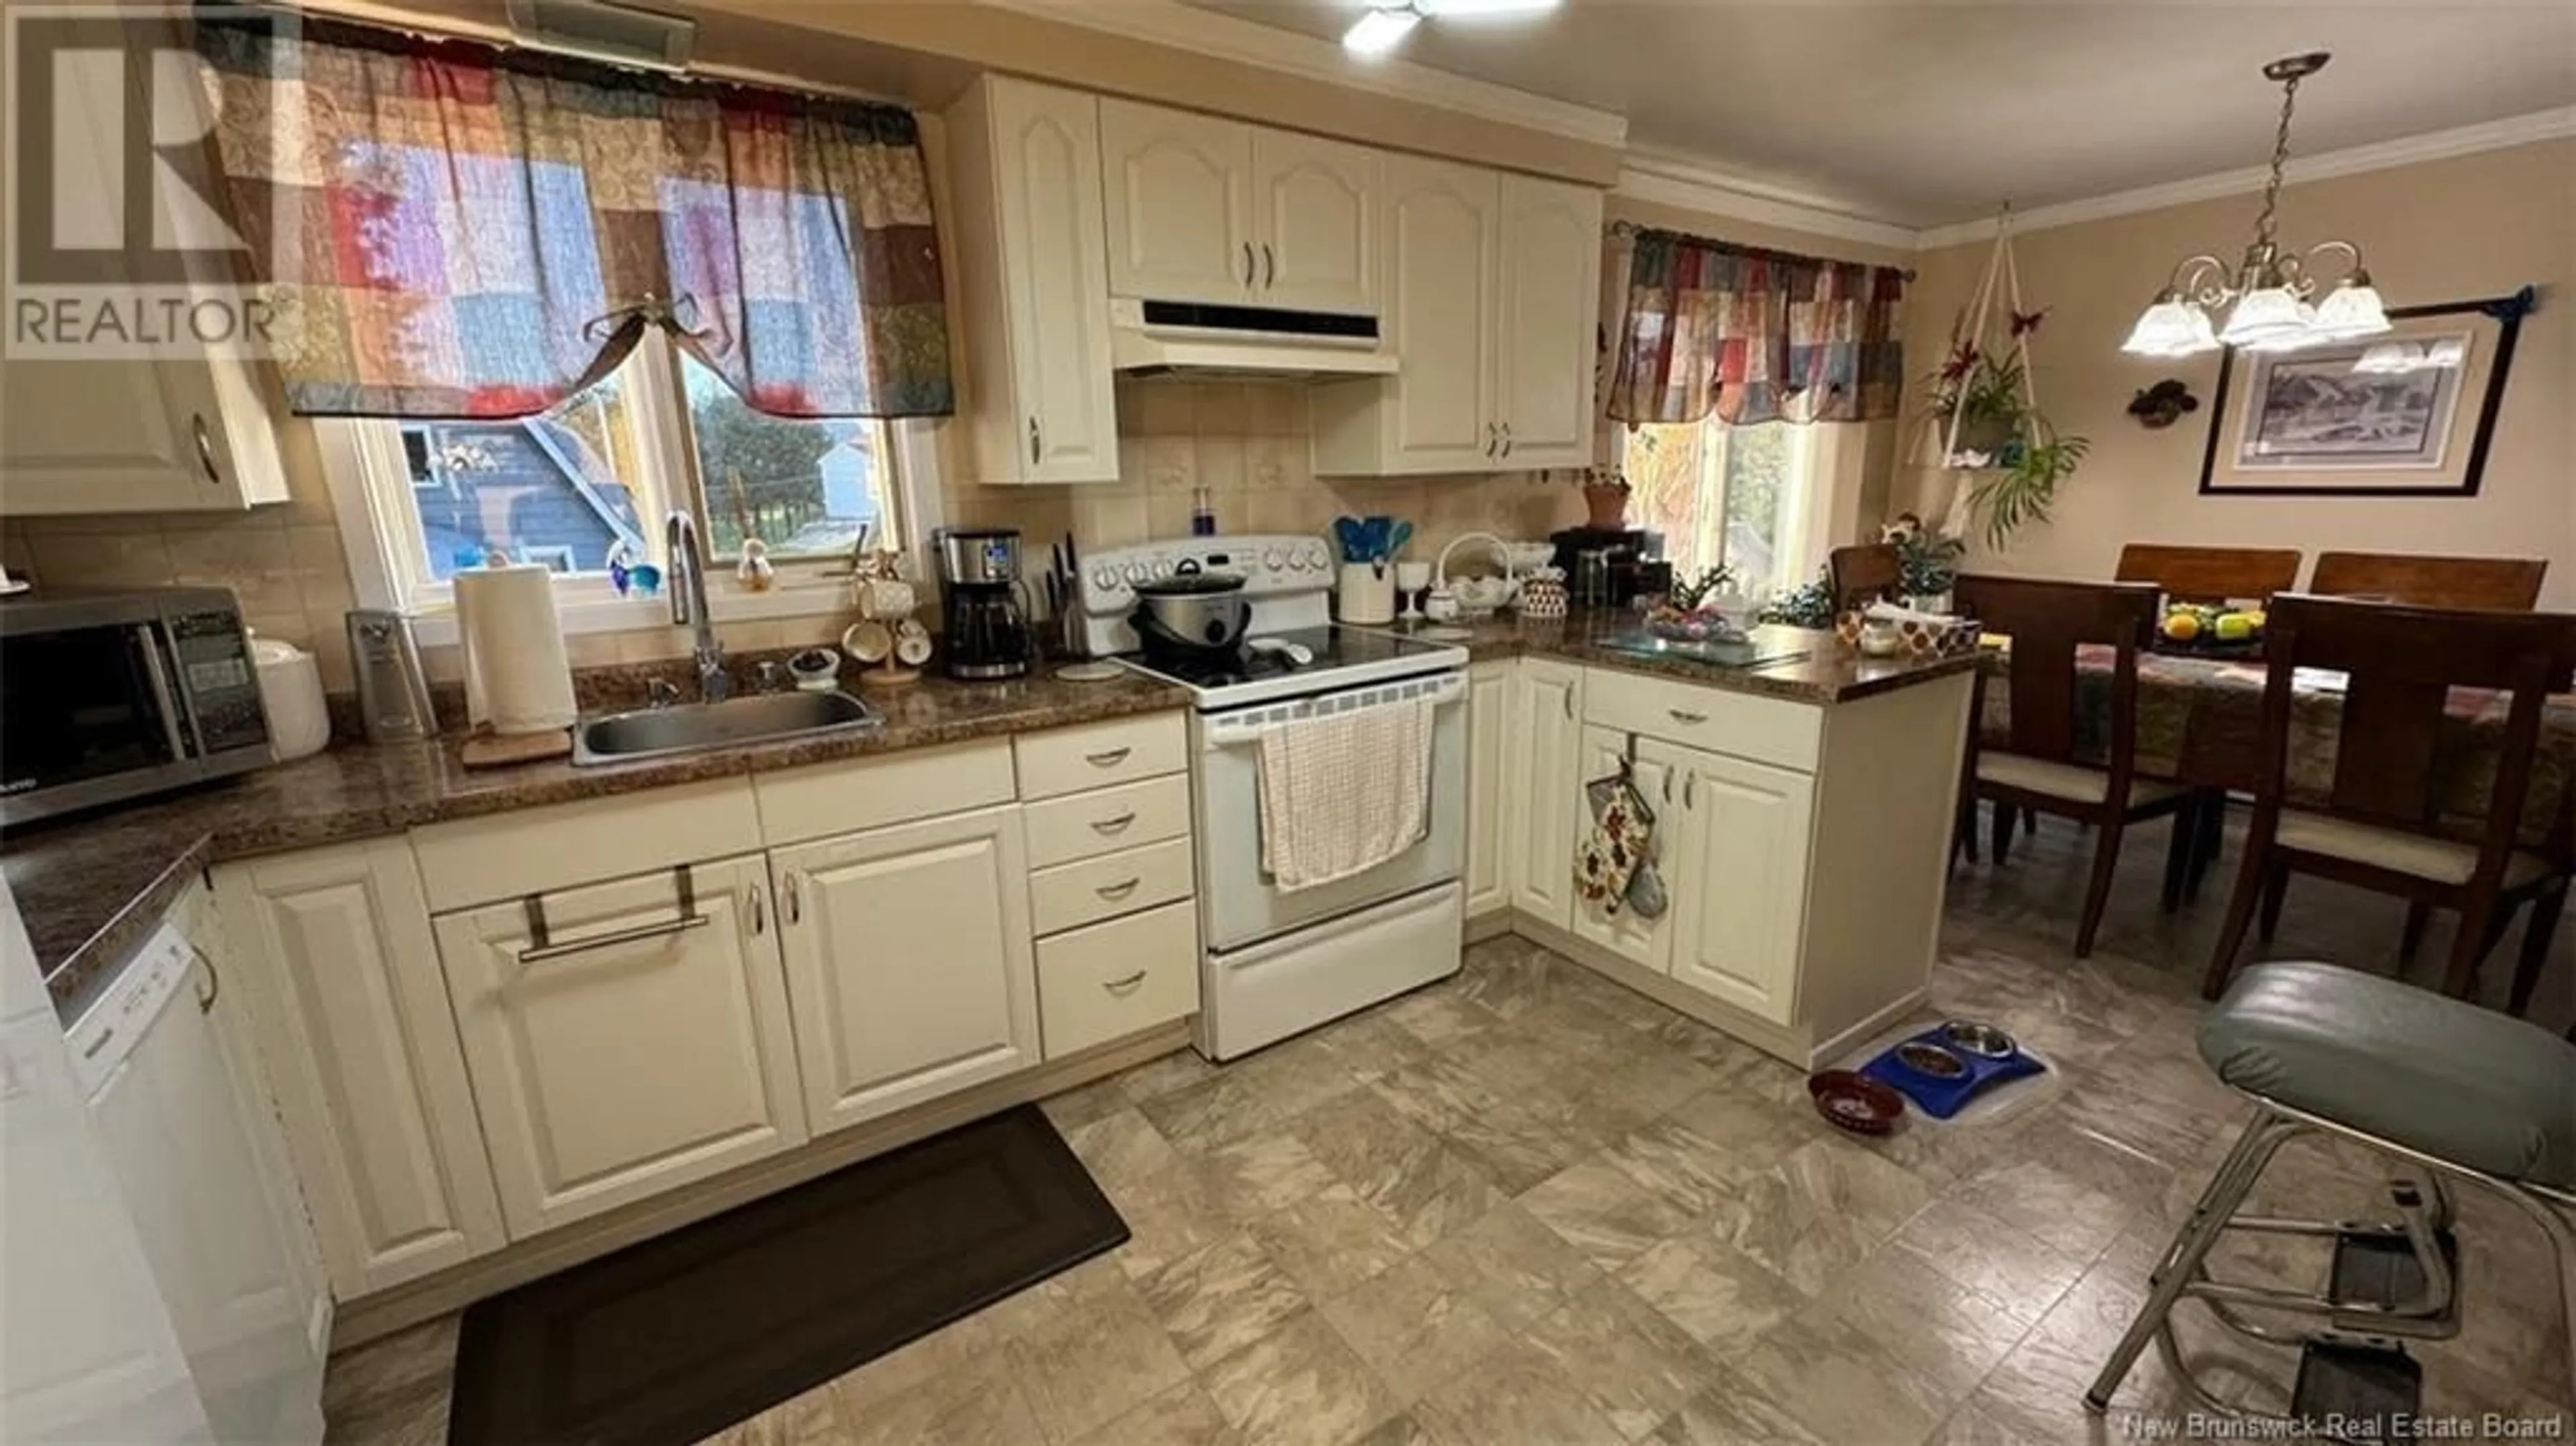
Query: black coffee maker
{"x": 1611, "y": 566}
{"x": 979, "y": 578}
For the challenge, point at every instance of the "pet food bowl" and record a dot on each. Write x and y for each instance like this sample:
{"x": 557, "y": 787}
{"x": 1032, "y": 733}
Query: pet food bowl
{"x": 1931, "y": 1060}
{"x": 1850, "y": 1102}
{"x": 1983, "y": 1040}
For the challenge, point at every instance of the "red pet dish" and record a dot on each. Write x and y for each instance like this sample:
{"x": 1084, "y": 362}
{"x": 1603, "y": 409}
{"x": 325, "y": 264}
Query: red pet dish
{"x": 1850, "y": 1102}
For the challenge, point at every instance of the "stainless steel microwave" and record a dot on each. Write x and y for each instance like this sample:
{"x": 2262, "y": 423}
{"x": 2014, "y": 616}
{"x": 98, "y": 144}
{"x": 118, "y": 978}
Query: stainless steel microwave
{"x": 113, "y": 695}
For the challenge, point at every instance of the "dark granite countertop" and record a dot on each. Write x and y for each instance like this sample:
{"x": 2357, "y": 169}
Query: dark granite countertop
{"x": 90, "y": 888}
{"x": 1828, "y": 672}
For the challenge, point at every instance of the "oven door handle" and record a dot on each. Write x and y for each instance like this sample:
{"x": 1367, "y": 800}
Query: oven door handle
{"x": 164, "y": 700}
{"x": 1244, "y": 737}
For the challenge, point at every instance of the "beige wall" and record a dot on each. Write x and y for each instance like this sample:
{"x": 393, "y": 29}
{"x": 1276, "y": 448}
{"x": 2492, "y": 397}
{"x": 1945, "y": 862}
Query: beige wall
{"x": 2450, "y": 230}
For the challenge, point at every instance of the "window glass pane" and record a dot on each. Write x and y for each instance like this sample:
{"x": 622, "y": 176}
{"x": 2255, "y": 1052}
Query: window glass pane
{"x": 1759, "y": 478}
{"x": 547, "y": 489}
{"x": 1721, "y": 494}
{"x": 805, "y": 487}
{"x": 1666, "y": 467}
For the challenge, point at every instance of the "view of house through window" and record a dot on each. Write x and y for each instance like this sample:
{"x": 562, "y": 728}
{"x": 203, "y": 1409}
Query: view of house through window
{"x": 1737, "y": 496}
{"x": 566, "y": 489}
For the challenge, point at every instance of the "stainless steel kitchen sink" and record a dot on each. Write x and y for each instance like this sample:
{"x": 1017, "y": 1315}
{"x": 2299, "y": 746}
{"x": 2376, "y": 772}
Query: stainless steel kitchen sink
{"x": 694, "y": 727}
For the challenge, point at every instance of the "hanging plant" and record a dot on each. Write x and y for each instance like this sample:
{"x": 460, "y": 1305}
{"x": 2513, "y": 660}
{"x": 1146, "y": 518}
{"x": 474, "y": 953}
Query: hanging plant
{"x": 1988, "y": 409}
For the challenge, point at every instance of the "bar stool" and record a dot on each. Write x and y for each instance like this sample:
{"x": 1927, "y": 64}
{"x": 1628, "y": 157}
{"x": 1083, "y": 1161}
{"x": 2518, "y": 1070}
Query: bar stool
{"x": 2440, "y": 1086}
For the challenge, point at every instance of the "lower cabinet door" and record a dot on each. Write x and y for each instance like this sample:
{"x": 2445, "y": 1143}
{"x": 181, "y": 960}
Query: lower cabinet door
{"x": 1656, "y": 770}
{"x": 909, "y": 961}
{"x": 1540, "y": 788}
{"x": 341, "y": 980}
{"x": 1739, "y": 881}
{"x": 644, "y": 1048}
{"x": 1489, "y": 719}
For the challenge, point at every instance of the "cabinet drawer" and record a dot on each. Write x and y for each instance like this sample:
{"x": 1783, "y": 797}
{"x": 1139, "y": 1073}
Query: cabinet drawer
{"x": 1111, "y": 980}
{"x": 1124, "y": 750}
{"x": 1766, "y": 730}
{"x": 1081, "y": 825}
{"x": 1070, "y": 895}
{"x": 838, "y": 798}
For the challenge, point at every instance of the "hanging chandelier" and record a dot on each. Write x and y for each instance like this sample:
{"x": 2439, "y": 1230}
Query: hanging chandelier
{"x": 2267, "y": 300}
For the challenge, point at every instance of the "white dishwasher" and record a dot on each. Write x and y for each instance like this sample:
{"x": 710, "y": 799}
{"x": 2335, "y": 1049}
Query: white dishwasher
{"x": 149, "y": 1062}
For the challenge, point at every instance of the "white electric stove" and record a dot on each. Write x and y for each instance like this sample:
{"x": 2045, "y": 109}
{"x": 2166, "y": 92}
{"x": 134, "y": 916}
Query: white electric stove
{"x": 1273, "y": 963}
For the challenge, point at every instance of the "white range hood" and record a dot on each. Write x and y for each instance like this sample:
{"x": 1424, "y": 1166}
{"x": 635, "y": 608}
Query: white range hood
{"x": 1158, "y": 337}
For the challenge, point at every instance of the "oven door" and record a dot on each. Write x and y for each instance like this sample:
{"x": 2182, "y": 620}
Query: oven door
{"x": 90, "y": 716}
{"x": 1237, "y": 901}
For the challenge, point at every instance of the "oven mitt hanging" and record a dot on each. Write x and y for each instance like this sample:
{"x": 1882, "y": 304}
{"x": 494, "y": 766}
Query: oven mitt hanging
{"x": 1618, "y": 844}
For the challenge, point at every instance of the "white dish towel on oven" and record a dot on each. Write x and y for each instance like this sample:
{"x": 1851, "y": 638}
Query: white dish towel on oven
{"x": 1342, "y": 793}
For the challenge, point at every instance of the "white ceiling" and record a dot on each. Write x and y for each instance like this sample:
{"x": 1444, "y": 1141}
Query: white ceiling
{"x": 1924, "y": 112}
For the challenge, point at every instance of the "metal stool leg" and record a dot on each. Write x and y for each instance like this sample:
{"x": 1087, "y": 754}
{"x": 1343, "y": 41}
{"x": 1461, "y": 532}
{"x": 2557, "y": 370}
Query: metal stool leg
{"x": 2263, "y": 1136}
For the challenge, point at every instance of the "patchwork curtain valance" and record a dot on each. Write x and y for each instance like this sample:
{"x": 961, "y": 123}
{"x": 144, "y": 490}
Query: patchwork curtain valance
{"x": 1705, "y": 327}
{"x": 453, "y": 230}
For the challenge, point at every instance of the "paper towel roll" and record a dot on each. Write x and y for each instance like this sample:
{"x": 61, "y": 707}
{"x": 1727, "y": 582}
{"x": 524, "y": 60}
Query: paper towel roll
{"x": 516, "y": 675}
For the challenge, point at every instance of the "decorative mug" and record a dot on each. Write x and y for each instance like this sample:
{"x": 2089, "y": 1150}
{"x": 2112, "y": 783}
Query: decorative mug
{"x": 1543, "y": 597}
{"x": 885, "y": 598}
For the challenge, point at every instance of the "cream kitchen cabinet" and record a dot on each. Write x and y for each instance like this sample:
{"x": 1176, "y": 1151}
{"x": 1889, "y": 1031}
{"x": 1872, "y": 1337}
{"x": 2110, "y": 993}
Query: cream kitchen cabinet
{"x": 1035, "y": 283}
{"x": 645, "y": 1045}
{"x": 1489, "y": 727}
{"x": 1541, "y": 745}
{"x": 909, "y": 962}
{"x": 1656, "y": 769}
{"x": 1200, "y": 208}
{"x": 342, "y": 980}
{"x": 1738, "y": 847}
{"x": 1492, "y": 286}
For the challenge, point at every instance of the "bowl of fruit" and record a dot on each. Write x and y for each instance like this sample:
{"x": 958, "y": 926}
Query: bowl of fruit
{"x": 2215, "y": 629}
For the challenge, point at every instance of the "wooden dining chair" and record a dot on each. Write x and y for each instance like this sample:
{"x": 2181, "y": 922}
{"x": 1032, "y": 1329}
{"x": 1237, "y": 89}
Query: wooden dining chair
{"x": 2043, "y": 765}
{"x": 1862, "y": 573}
{"x": 2209, "y": 574}
{"x": 2501, "y": 584}
{"x": 2378, "y": 827}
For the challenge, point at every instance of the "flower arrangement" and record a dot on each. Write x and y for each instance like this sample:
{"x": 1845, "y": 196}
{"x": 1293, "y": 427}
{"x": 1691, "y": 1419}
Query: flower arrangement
{"x": 1808, "y": 605}
{"x": 1927, "y": 561}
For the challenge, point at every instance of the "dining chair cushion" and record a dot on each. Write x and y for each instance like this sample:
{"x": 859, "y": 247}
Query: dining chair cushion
{"x": 2440, "y": 860}
{"x": 2064, "y": 780}
{"x": 2437, "y": 1075}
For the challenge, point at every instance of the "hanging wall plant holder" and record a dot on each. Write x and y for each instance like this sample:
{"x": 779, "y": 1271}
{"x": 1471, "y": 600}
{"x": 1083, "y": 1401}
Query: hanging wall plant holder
{"x": 1985, "y": 401}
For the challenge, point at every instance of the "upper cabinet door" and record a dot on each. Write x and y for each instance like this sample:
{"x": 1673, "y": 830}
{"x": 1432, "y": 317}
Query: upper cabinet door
{"x": 1550, "y": 301}
{"x": 1443, "y": 233}
{"x": 612, "y": 1071}
{"x": 909, "y": 962}
{"x": 1738, "y": 877}
{"x": 1315, "y": 223}
{"x": 1179, "y": 189}
{"x": 1056, "y": 309}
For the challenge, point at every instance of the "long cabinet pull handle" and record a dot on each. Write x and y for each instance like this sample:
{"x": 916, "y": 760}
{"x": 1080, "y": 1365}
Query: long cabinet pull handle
{"x": 1247, "y": 263}
{"x": 1109, "y": 758}
{"x": 205, "y": 448}
{"x": 1690, "y": 787}
{"x": 625, "y": 936}
{"x": 759, "y": 910}
{"x": 1113, "y": 825}
{"x": 1269, "y": 267}
{"x": 1684, "y": 715}
{"x": 1033, "y": 441}
{"x": 795, "y": 902}
{"x": 1567, "y": 698}
{"x": 1118, "y": 890}
{"x": 1121, "y": 986}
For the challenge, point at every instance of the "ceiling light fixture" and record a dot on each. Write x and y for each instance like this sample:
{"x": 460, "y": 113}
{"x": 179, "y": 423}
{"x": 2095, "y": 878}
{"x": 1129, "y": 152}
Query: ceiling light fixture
{"x": 2267, "y": 301}
{"x": 1383, "y": 26}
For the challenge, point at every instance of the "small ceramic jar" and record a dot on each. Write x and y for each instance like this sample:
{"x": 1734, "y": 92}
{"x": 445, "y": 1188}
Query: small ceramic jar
{"x": 1543, "y": 597}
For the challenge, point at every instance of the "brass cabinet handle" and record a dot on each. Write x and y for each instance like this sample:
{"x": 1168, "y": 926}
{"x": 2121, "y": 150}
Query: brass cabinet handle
{"x": 1033, "y": 440}
{"x": 1121, "y": 986}
{"x": 1113, "y": 825}
{"x": 1118, "y": 890}
{"x": 205, "y": 448}
{"x": 1269, "y": 268}
{"x": 1683, "y": 715}
{"x": 1108, "y": 759}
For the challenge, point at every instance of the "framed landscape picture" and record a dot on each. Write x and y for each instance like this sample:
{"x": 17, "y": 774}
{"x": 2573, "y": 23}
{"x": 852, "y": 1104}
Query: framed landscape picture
{"x": 2405, "y": 414}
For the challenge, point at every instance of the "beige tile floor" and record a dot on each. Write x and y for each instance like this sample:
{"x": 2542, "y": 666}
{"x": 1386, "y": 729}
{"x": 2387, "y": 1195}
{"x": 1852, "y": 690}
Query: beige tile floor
{"x": 1525, "y": 1206}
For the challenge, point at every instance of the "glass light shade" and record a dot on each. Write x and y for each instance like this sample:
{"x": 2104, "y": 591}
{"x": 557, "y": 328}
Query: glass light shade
{"x": 2170, "y": 329}
{"x": 2384, "y": 358}
{"x": 2351, "y": 311}
{"x": 2450, "y": 351}
{"x": 1379, "y": 31}
{"x": 2270, "y": 313}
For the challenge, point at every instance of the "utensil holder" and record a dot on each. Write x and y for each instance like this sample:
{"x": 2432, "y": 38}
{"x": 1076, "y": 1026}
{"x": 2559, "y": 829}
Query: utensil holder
{"x": 1367, "y": 593}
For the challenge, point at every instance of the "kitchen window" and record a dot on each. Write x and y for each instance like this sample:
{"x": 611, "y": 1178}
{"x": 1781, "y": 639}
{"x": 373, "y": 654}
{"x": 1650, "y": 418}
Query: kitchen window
{"x": 1748, "y": 498}
{"x": 594, "y": 478}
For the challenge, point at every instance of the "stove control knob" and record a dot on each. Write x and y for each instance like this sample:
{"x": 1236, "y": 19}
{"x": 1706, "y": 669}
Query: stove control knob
{"x": 1163, "y": 567}
{"x": 1271, "y": 559}
{"x": 1135, "y": 572}
{"x": 1315, "y": 555}
{"x": 1105, "y": 578}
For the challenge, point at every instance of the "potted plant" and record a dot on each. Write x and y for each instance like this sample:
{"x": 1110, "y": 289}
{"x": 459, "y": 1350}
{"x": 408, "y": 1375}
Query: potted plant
{"x": 1927, "y": 563}
{"x": 1605, "y": 497}
{"x": 1983, "y": 403}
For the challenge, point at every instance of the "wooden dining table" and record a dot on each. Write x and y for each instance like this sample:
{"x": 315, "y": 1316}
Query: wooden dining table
{"x": 2200, "y": 721}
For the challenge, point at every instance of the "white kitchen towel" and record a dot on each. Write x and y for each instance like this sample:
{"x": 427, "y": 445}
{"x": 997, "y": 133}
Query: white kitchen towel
{"x": 517, "y": 677}
{"x": 1342, "y": 793}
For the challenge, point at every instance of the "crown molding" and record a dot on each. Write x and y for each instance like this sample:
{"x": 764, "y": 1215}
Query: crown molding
{"x": 1675, "y": 181}
{"x": 1209, "y": 32}
{"x": 2404, "y": 151}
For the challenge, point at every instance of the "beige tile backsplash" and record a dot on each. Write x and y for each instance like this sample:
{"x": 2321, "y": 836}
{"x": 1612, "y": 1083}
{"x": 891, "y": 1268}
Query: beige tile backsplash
{"x": 1246, "y": 442}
